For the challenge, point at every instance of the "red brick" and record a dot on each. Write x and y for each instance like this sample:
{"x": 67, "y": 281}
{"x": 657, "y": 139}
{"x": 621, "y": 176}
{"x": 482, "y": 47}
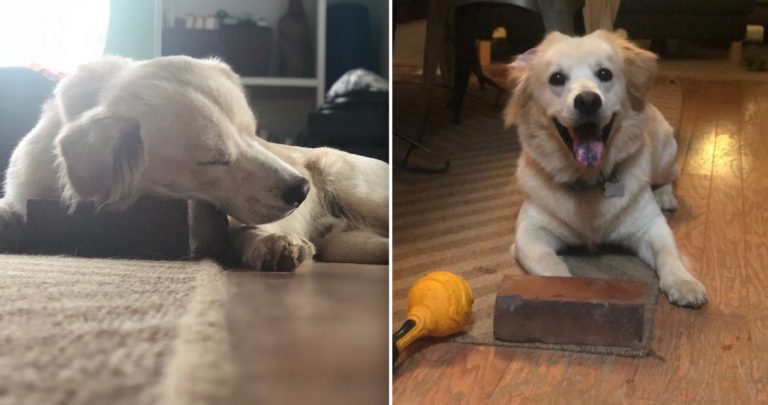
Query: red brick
{"x": 566, "y": 310}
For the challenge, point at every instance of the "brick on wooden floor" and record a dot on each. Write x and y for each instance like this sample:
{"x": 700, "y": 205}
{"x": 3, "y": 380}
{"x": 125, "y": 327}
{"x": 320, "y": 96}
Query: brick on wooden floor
{"x": 567, "y": 310}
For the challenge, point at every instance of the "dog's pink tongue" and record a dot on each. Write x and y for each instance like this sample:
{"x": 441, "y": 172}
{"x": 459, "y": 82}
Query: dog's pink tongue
{"x": 588, "y": 145}
{"x": 588, "y": 153}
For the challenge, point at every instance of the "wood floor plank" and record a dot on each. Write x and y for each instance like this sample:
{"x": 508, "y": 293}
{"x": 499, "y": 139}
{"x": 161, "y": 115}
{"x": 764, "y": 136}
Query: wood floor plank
{"x": 533, "y": 377}
{"x": 702, "y": 357}
{"x": 672, "y": 361}
{"x": 689, "y": 222}
{"x": 754, "y": 150}
{"x": 688, "y": 117}
{"x": 484, "y": 366}
{"x": 320, "y": 329}
{"x": 724, "y": 274}
{"x": 595, "y": 379}
{"x": 758, "y": 341}
{"x": 414, "y": 377}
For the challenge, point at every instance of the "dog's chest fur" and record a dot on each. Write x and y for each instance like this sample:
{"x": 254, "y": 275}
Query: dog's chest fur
{"x": 584, "y": 216}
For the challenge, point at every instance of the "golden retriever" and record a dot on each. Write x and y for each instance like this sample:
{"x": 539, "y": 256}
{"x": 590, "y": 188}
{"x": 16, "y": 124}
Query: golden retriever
{"x": 592, "y": 149}
{"x": 117, "y": 129}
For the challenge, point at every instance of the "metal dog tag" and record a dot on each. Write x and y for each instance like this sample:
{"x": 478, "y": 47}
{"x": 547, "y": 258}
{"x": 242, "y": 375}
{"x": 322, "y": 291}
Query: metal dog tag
{"x": 613, "y": 189}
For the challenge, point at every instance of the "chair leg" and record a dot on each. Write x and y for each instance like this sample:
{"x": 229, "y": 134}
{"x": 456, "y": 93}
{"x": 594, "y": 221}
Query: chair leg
{"x": 735, "y": 52}
{"x": 467, "y": 58}
{"x": 438, "y": 10}
{"x": 414, "y": 144}
{"x": 466, "y": 55}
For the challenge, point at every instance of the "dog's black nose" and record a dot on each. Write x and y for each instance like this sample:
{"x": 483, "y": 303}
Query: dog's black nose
{"x": 587, "y": 102}
{"x": 296, "y": 193}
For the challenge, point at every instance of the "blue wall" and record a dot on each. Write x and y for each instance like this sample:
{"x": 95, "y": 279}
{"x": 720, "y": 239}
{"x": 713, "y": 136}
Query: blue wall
{"x": 131, "y": 29}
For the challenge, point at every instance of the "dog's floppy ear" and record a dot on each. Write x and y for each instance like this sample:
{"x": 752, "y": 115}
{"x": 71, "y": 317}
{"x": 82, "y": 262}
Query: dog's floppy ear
{"x": 101, "y": 155}
{"x": 517, "y": 81}
{"x": 519, "y": 77}
{"x": 521, "y": 95}
{"x": 639, "y": 68}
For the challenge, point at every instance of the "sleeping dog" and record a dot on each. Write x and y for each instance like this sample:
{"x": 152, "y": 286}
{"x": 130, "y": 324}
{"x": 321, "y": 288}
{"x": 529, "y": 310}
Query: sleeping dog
{"x": 178, "y": 127}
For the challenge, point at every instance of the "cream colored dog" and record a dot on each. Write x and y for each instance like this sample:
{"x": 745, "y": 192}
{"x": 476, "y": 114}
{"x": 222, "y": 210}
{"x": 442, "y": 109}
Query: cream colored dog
{"x": 592, "y": 149}
{"x": 179, "y": 127}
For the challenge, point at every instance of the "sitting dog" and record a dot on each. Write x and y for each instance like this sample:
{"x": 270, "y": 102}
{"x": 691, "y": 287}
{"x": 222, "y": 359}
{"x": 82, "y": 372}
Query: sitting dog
{"x": 592, "y": 148}
{"x": 178, "y": 127}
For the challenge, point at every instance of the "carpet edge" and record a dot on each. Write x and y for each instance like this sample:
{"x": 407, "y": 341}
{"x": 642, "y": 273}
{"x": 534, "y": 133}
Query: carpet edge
{"x": 201, "y": 370}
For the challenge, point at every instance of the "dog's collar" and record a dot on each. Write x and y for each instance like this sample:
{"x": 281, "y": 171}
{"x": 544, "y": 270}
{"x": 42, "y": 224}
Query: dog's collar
{"x": 611, "y": 185}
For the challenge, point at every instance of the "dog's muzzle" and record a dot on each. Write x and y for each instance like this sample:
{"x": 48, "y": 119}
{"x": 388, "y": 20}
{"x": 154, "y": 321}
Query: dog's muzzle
{"x": 586, "y": 141}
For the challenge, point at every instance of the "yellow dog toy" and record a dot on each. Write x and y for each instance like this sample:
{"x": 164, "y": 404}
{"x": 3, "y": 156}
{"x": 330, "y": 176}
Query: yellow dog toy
{"x": 439, "y": 304}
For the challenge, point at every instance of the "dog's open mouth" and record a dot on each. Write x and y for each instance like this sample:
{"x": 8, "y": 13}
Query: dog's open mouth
{"x": 586, "y": 141}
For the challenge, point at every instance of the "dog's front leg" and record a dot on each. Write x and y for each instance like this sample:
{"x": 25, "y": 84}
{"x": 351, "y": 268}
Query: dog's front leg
{"x": 536, "y": 250}
{"x": 266, "y": 248}
{"x": 355, "y": 246}
{"x": 665, "y": 198}
{"x": 656, "y": 246}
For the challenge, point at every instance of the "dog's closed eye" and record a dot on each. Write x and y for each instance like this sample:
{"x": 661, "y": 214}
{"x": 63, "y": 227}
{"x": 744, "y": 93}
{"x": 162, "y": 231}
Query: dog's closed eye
{"x": 215, "y": 162}
{"x": 214, "y": 158}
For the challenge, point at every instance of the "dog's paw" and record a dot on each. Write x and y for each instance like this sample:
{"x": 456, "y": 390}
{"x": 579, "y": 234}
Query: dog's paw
{"x": 665, "y": 198}
{"x": 278, "y": 252}
{"x": 685, "y": 292}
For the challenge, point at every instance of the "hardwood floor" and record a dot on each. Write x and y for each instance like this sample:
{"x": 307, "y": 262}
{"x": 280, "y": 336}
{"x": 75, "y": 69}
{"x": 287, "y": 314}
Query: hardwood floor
{"x": 314, "y": 336}
{"x": 718, "y": 354}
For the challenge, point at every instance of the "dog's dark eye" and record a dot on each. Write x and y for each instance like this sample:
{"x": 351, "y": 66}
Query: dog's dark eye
{"x": 557, "y": 79}
{"x": 604, "y": 75}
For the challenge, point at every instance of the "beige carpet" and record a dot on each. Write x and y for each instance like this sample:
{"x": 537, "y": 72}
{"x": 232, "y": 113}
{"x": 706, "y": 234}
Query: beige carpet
{"x": 464, "y": 221}
{"x": 75, "y": 331}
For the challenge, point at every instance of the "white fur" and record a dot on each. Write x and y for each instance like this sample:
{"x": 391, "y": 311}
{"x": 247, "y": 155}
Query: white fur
{"x": 640, "y": 151}
{"x": 117, "y": 129}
